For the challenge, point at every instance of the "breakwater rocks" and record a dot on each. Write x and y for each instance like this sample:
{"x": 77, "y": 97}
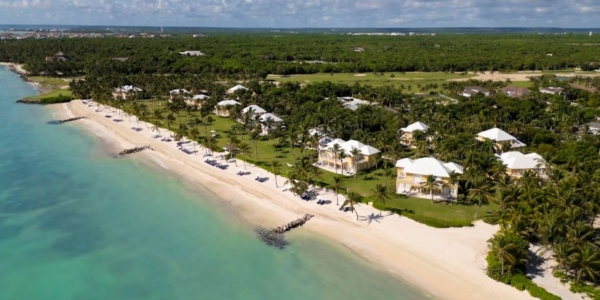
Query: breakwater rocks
{"x": 275, "y": 238}
{"x": 24, "y": 101}
{"x": 133, "y": 150}
{"x": 70, "y": 120}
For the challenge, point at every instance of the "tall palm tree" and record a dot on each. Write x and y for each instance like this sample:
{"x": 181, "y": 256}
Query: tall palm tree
{"x": 341, "y": 156}
{"x": 586, "y": 260}
{"x": 276, "y": 170}
{"x": 355, "y": 155}
{"x": 337, "y": 184}
{"x": 352, "y": 199}
{"x": 380, "y": 194}
{"x": 170, "y": 121}
{"x": 479, "y": 192}
{"x": 336, "y": 151}
{"x": 504, "y": 250}
{"x": 245, "y": 149}
{"x": 430, "y": 183}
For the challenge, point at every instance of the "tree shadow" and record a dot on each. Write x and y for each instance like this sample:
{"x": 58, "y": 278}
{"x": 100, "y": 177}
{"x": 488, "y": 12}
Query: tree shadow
{"x": 373, "y": 217}
{"x": 535, "y": 262}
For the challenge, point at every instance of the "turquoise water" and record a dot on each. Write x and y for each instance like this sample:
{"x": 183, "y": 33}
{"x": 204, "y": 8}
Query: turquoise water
{"x": 78, "y": 224}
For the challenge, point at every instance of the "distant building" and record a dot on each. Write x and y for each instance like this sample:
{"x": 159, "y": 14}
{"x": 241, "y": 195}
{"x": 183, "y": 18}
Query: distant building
{"x": 59, "y": 56}
{"x": 331, "y": 161}
{"x": 353, "y": 103}
{"x": 552, "y": 90}
{"x": 469, "y": 91}
{"x": 236, "y": 89}
{"x": 407, "y": 133}
{"x": 192, "y": 53}
{"x": 518, "y": 163}
{"x": 196, "y": 101}
{"x": 269, "y": 118}
{"x": 499, "y": 136}
{"x": 121, "y": 59}
{"x": 593, "y": 127}
{"x": 412, "y": 177}
{"x": 223, "y": 108}
{"x": 124, "y": 91}
{"x": 359, "y": 49}
{"x": 515, "y": 91}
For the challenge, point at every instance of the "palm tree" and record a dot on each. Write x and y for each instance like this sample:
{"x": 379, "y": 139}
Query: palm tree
{"x": 587, "y": 262}
{"x": 336, "y": 151}
{"x": 336, "y": 185}
{"x": 245, "y": 148}
{"x": 276, "y": 170}
{"x": 352, "y": 199}
{"x": 210, "y": 143}
{"x": 430, "y": 182}
{"x": 156, "y": 126}
{"x": 380, "y": 194}
{"x": 170, "y": 121}
{"x": 194, "y": 134}
{"x": 504, "y": 250}
{"x": 341, "y": 156}
{"x": 479, "y": 192}
{"x": 355, "y": 153}
{"x": 181, "y": 131}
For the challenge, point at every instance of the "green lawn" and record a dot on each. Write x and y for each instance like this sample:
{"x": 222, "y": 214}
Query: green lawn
{"x": 421, "y": 210}
{"x": 526, "y": 84}
{"x": 413, "y": 79}
{"x": 53, "y": 93}
{"x": 45, "y": 81}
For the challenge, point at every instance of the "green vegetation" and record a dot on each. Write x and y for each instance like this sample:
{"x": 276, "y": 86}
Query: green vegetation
{"x": 53, "y": 96}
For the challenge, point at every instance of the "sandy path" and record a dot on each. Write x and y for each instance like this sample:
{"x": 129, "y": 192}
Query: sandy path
{"x": 447, "y": 263}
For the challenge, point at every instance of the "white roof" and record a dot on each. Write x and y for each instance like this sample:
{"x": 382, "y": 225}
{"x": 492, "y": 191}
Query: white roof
{"x": 352, "y": 144}
{"x": 429, "y": 166}
{"x": 416, "y": 126}
{"x": 256, "y": 109}
{"x": 518, "y": 161}
{"x": 496, "y": 134}
{"x": 228, "y": 102}
{"x": 236, "y": 88}
{"x": 128, "y": 88}
{"x": 200, "y": 97}
{"x": 179, "y": 91}
{"x": 192, "y": 53}
{"x": 266, "y": 116}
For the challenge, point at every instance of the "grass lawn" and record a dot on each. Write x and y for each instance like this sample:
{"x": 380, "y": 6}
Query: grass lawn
{"x": 421, "y": 210}
{"x": 54, "y": 93}
{"x": 412, "y": 79}
{"x": 526, "y": 84}
{"x": 45, "y": 81}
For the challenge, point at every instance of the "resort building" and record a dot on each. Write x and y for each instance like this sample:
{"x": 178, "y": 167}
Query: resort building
{"x": 593, "y": 127}
{"x": 124, "y": 91}
{"x": 413, "y": 173}
{"x": 407, "y": 133}
{"x": 469, "y": 91}
{"x": 196, "y": 101}
{"x": 353, "y": 103}
{"x": 236, "y": 89}
{"x": 552, "y": 90}
{"x": 177, "y": 92}
{"x": 223, "y": 108}
{"x": 269, "y": 122}
{"x": 499, "y": 137}
{"x": 256, "y": 110}
{"x": 348, "y": 163}
{"x": 518, "y": 163}
{"x": 515, "y": 91}
{"x": 192, "y": 53}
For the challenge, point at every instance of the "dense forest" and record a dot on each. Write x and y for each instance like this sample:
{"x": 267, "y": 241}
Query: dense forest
{"x": 255, "y": 56}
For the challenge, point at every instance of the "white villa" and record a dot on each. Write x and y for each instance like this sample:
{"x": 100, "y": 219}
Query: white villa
{"x": 192, "y": 53}
{"x": 593, "y": 127}
{"x": 412, "y": 175}
{"x": 407, "y": 133}
{"x": 469, "y": 91}
{"x": 499, "y": 136}
{"x": 331, "y": 161}
{"x": 269, "y": 117}
{"x": 175, "y": 92}
{"x": 353, "y": 103}
{"x": 222, "y": 108}
{"x": 124, "y": 91}
{"x": 551, "y": 90}
{"x": 236, "y": 88}
{"x": 517, "y": 163}
{"x": 256, "y": 110}
{"x": 196, "y": 101}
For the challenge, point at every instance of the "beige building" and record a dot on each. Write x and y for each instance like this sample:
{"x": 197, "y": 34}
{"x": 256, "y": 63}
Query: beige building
{"x": 518, "y": 163}
{"x": 407, "y": 133}
{"x": 347, "y": 164}
{"x": 413, "y": 173}
{"x": 196, "y": 101}
{"x": 125, "y": 91}
{"x": 223, "y": 108}
{"x": 499, "y": 137}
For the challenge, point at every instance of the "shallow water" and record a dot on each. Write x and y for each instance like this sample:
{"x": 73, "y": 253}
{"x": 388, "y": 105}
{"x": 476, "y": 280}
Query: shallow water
{"x": 78, "y": 224}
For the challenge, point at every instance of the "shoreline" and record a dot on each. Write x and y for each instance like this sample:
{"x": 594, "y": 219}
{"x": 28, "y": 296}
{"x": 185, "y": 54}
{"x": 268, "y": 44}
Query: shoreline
{"x": 18, "y": 69}
{"x": 445, "y": 263}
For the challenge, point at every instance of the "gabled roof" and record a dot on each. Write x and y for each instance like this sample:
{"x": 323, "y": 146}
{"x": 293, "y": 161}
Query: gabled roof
{"x": 518, "y": 161}
{"x": 594, "y": 125}
{"x": 266, "y": 116}
{"x": 255, "y": 108}
{"x": 236, "y": 88}
{"x": 496, "y": 134}
{"x": 474, "y": 90}
{"x": 179, "y": 91}
{"x": 429, "y": 166}
{"x": 228, "y": 102}
{"x": 128, "y": 88}
{"x": 353, "y": 144}
{"x": 416, "y": 126}
{"x": 200, "y": 97}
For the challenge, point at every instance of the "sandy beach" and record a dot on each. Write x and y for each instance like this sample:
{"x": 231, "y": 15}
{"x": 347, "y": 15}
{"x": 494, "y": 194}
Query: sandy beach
{"x": 518, "y": 76}
{"x": 447, "y": 263}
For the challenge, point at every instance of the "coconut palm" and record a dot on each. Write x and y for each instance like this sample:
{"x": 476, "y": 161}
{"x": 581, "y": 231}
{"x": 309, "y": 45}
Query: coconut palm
{"x": 587, "y": 262}
{"x": 479, "y": 192}
{"x": 245, "y": 149}
{"x": 276, "y": 170}
{"x": 337, "y": 184}
{"x": 380, "y": 194}
{"x": 336, "y": 151}
{"x": 352, "y": 199}
{"x": 430, "y": 183}
{"x": 355, "y": 155}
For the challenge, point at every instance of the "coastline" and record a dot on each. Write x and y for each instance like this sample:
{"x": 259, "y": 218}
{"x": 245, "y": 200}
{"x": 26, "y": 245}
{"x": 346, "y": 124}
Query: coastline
{"x": 18, "y": 69}
{"x": 446, "y": 263}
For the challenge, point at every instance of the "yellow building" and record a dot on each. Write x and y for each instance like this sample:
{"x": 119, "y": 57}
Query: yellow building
{"x": 196, "y": 101}
{"x": 518, "y": 163}
{"x": 412, "y": 178}
{"x": 348, "y": 163}
{"x": 407, "y": 133}
{"x": 222, "y": 108}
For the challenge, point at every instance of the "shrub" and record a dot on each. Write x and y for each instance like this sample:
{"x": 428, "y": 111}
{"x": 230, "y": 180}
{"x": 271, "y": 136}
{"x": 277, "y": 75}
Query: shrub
{"x": 58, "y": 99}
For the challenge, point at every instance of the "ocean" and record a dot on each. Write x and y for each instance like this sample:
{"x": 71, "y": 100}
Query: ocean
{"x": 76, "y": 223}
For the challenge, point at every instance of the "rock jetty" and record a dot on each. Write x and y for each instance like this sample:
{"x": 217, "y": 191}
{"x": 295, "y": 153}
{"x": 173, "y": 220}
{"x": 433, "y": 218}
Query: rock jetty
{"x": 275, "y": 238}
{"x": 133, "y": 150}
{"x": 70, "y": 119}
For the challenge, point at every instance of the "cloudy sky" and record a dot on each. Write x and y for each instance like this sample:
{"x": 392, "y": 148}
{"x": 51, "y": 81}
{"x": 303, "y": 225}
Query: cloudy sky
{"x": 305, "y": 13}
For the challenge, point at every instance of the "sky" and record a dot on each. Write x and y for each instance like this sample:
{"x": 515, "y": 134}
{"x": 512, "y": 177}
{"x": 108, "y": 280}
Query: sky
{"x": 305, "y": 13}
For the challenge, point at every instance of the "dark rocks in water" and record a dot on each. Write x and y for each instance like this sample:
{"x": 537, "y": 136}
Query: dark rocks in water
{"x": 70, "y": 119}
{"x": 133, "y": 150}
{"x": 271, "y": 238}
{"x": 24, "y": 101}
{"x": 291, "y": 225}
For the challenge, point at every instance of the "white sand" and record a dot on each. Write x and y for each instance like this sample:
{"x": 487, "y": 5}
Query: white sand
{"x": 447, "y": 263}
{"x": 520, "y": 76}
{"x": 16, "y": 67}
{"x": 360, "y": 75}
